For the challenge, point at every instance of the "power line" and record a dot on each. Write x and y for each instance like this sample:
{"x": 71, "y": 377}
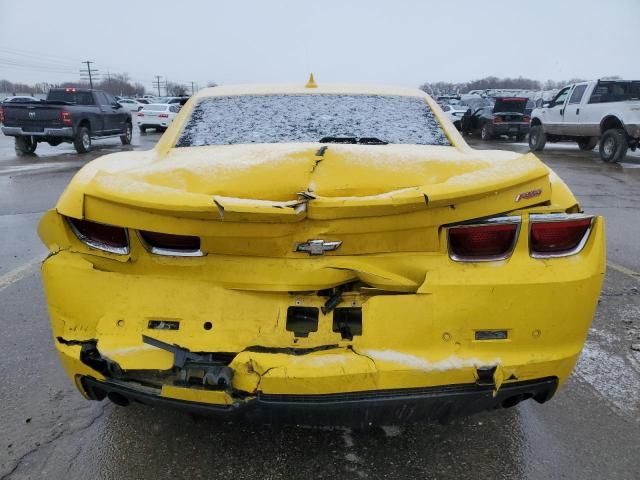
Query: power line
{"x": 88, "y": 71}
{"x": 159, "y": 84}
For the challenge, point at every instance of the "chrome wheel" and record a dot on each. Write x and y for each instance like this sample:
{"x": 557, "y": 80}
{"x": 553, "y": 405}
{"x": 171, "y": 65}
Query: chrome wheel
{"x": 86, "y": 140}
{"x": 609, "y": 146}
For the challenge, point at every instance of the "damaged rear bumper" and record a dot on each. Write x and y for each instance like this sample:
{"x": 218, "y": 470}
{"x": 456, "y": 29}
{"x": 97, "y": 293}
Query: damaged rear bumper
{"x": 349, "y": 409}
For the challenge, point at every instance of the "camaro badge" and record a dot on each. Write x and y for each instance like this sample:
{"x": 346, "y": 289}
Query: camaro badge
{"x": 528, "y": 195}
{"x": 317, "y": 247}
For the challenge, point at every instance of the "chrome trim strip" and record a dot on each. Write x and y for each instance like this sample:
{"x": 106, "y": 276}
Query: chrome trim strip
{"x": 46, "y": 132}
{"x": 99, "y": 245}
{"x": 505, "y": 220}
{"x": 168, "y": 252}
{"x": 559, "y": 217}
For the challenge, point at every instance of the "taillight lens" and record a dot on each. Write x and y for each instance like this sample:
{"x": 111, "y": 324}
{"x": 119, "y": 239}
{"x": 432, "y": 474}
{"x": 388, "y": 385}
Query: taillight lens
{"x": 164, "y": 115}
{"x": 1, "y": 115}
{"x": 140, "y": 114}
{"x": 525, "y": 119}
{"x": 171, "y": 245}
{"x": 557, "y": 238}
{"x": 497, "y": 119}
{"x": 65, "y": 117}
{"x": 482, "y": 242}
{"x": 103, "y": 237}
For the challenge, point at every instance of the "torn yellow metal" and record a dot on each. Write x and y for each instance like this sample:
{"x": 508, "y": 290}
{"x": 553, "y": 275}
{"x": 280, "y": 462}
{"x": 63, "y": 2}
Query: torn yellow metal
{"x": 250, "y": 204}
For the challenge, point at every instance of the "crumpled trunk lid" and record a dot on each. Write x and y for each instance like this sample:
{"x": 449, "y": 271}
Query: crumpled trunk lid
{"x": 262, "y": 200}
{"x": 290, "y": 183}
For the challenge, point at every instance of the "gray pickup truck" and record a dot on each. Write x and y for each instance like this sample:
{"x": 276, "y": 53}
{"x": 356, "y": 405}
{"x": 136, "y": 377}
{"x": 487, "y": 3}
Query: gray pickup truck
{"x": 72, "y": 115}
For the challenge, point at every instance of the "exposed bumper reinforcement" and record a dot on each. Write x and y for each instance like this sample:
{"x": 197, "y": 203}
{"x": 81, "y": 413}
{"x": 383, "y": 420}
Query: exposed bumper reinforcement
{"x": 348, "y": 409}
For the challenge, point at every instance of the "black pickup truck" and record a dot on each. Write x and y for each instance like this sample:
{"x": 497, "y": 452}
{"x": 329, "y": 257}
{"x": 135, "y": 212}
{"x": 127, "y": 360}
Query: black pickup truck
{"x": 73, "y": 115}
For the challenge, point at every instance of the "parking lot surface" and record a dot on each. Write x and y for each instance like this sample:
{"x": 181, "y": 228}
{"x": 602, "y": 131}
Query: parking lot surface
{"x": 591, "y": 429}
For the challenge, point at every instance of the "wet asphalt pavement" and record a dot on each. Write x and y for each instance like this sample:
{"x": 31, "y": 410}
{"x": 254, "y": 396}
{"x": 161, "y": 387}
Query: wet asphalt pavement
{"x": 591, "y": 429}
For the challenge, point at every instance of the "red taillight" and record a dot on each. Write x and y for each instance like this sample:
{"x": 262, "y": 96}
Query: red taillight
{"x": 557, "y": 238}
{"x": 140, "y": 114}
{"x": 482, "y": 242}
{"x": 525, "y": 119}
{"x": 65, "y": 117}
{"x": 70, "y": 89}
{"x": 169, "y": 244}
{"x": 103, "y": 237}
{"x": 164, "y": 115}
{"x": 497, "y": 119}
{"x": 1, "y": 115}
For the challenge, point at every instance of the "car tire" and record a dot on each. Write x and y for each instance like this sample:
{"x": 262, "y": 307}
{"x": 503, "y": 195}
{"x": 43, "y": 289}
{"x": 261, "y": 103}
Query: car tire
{"x": 486, "y": 134}
{"x": 587, "y": 143}
{"x": 25, "y": 145}
{"x": 82, "y": 141}
{"x": 142, "y": 129}
{"x": 537, "y": 138}
{"x": 128, "y": 133}
{"x": 613, "y": 145}
{"x": 457, "y": 125}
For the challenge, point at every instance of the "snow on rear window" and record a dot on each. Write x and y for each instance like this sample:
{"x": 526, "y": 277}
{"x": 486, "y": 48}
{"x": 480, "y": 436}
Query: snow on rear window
{"x": 308, "y": 118}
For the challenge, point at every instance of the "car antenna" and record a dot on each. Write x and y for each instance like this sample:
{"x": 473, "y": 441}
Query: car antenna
{"x": 311, "y": 83}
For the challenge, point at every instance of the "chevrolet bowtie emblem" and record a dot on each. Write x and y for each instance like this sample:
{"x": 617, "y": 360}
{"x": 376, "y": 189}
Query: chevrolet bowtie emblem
{"x": 317, "y": 247}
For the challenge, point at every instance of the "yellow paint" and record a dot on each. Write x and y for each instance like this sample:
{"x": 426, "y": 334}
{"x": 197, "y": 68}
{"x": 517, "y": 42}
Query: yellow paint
{"x": 386, "y": 204}
{"x": 215, "y": 397}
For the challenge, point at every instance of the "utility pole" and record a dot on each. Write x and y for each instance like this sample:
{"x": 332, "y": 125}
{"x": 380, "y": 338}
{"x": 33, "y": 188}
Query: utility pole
{"x": 89, "y": 72}
{"x": 157, "y": 82}
{"x": 192, "y": 88}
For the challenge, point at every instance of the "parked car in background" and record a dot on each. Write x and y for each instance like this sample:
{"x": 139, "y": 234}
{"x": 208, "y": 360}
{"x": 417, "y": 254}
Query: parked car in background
{"x": 505, "y": 117}
{"x": 455, "y": 112}
{"x": 174, "y": 100}
{"x": 157, "y": 116}
{"x": 20, "y": 99}
{"x": 74, "y": 115}
{"x": 144, "y": 101}
{"x": 604, "y": 111}
{"x": 359, "y": 265}
{"x": 474, "y": 102}
{"x": 149, "y": 97}
{"x": 130, "y": 104}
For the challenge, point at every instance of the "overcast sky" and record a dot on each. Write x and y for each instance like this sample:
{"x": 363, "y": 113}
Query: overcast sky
{"x": 404, "y": 42}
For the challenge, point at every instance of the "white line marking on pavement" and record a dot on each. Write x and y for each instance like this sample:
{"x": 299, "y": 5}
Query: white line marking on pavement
{"x": 625, "y": 270}
{"x": 39, "y": 166}
{"x": 19, "y": 273}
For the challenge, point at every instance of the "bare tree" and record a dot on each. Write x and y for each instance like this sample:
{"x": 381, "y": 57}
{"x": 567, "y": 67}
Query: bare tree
{"x": 176, "y": 89}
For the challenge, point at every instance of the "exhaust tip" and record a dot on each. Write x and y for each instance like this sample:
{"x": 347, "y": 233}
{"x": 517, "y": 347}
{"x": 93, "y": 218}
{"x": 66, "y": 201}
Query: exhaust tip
{"x": 118, "y": 399}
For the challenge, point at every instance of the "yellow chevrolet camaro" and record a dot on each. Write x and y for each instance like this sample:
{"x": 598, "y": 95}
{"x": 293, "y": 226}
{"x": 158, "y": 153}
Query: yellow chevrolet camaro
{"x": 320, "y": 254}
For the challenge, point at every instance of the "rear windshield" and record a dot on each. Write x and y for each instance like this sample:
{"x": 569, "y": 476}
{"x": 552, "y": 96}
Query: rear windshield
{"x": 79, "y": 98}
{"x": 615, "y": 92}
{"x": 309, "y": 118}
{"x": 155, "y": 108}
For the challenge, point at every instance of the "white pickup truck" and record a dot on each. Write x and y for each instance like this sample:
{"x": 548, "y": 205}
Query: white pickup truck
{"x": 601, "y": 110}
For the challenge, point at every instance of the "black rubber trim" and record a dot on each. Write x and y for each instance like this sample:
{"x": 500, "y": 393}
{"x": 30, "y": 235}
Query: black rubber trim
{"x": 351, "y": 409}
